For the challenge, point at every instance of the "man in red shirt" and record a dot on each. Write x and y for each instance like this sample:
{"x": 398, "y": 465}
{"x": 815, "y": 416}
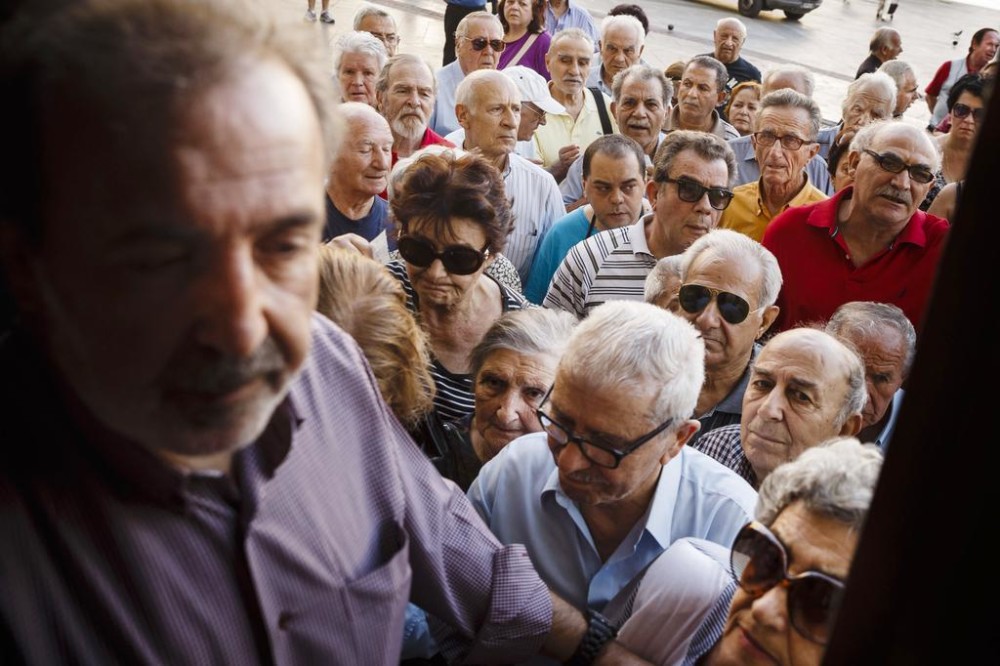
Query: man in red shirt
{"x": 985, "y": 43}
{"x": 867, "y": 242}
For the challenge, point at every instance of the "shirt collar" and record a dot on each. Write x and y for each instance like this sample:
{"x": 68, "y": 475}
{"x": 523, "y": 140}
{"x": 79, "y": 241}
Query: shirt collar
{"x": 824, "y": 215}
{"x": 637, "y": 235}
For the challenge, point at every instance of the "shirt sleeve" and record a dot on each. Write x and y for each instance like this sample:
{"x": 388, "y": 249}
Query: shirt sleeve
{"x": 940, "y": 76}
{"x": 566, "y": 290}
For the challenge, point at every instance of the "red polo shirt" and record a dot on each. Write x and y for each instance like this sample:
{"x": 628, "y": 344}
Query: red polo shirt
{"x": 818, "y": 275}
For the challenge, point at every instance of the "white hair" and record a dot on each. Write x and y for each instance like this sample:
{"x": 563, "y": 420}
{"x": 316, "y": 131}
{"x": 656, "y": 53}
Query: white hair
{"x": 623, "y": 21}
{"x": 357, "y": 41}
{"x": 866, "y": 136}
{"x": 572, "y": 33}
{"x": 808, "y": 80}
{"x": 730, "y": 20}
{"x": 468, "y": 88}
{"x": 877, "y": 82}
{"x": 664, "y": 270}
{"x": 367, "y": 10}
{"x": 731, "y": 246}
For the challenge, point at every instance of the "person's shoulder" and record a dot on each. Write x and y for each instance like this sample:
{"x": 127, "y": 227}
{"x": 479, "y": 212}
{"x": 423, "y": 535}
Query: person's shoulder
{"x": 531, "y": 170}
{"x": 715, "y": 479}
{"x": 524, "y": 460}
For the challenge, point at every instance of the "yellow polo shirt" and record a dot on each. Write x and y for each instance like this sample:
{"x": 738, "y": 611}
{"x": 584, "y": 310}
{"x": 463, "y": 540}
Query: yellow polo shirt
{"x": 748, "y": 215}
{"x": 561, "y": 129}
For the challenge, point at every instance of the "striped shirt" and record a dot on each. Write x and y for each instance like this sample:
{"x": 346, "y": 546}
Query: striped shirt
{"x": 536, "y": 203}
{"x": 724, "y": 445}
{"x": 611, "y": 265}
{"x": 710, "y": 631}
{"x": 453, "y": 398}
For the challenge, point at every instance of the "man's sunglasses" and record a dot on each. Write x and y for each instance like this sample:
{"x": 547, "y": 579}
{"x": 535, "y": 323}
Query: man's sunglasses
{"x": 759, "y": 562}
{"x": 692, "y": 191}
{"x": 456, "y": 259}
{"x": 961, "y": 111}
{"x": 479, "y": 43}
{"x": 892, "y": 164}
{"x": 695, "y": 297}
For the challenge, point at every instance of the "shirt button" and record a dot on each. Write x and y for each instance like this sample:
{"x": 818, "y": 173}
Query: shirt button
{"x": 284, "y": 620}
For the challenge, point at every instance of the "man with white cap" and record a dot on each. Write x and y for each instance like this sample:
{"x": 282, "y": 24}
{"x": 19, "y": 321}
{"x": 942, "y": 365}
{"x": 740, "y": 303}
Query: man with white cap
{"x": 535, "y": 103}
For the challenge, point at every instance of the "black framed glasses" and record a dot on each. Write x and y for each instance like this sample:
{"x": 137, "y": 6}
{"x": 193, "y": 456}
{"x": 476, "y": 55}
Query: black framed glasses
{"x": 479, "y": 43}
{"x": 694, "y": 298}
{"x": 759, "y": 562}
{"x": 889, "y": 162}
{"x": 599, "y": 453}
{"x": 961, "y": 111}
{"x": 692, "y": 191}
{"x": 387, "y": 37}
{"x": 788, "y": 141}
{"x": 456, "y": 259}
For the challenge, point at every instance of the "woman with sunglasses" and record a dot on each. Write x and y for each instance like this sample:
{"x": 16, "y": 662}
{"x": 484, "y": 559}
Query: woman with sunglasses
{"x": 773, "y": 597}
{"x": 524, "y": 33}
{"x": 966, "y": 113}
{"x": 453, "y": 218}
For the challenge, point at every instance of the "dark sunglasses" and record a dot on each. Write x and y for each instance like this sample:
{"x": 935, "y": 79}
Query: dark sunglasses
{"x": 602, "y": 455}
{"x": 456, "y": 259}
{"x": 692, "y": 191}
{"x": 695, "y": 297}
{"x": 892, "y": 164}
{"x": 963, "y": 110}
{"x": 759, "y": 562}
{"x": 479, "y": 43}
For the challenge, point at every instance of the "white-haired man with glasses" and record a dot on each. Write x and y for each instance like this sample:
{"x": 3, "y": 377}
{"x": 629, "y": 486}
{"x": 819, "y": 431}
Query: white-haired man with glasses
{"x": 609, "y": 483}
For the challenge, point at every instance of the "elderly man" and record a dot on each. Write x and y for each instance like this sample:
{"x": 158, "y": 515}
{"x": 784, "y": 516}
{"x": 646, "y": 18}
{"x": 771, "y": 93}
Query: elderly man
{"x": 380, "y": 24}
{"x": 689, "y": 191}
{"x": 614, "y": 183}
{"x": 870, "y": 97}
{"x": 488, "y": 105}
{"x": 662, "y": 284}
{"x": 983, "y": 47}
{"x": 886, "y": 341}
{"x": 805, "y": 386}
{"x": 789, "y": 75}
{"x": 562, "y": 14}
{"x": 609, "y": 484}
{"x": 640, "y": 104}
{"x": 869, "y": 241}
{"x": 359, "y": 171}
{"x": 729, "y": 36}
{"x": 702, "y": 88}
{"x": 907, "y": 90}
{"x": 622, "y": 41}
{"x": 566, "y": 135}
{"x": 784, "y": 141}
{"x": 729, "y": 284}
{"x": 478, "y": 43}
{"x": 405, "y": 97}
{"x": 196, "y": 404}
{"x": 358, "y": 59}
{"x": 885, "y": 45}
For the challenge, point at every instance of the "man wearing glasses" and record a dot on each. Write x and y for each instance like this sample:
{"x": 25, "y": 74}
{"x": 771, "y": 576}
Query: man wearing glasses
{"x": 689, "y": 191}
{"x": 869, "y": 241}
{"x": 783, "y": 143}
{"x": 379, "y": 23}
{"x": 609, "y": 483}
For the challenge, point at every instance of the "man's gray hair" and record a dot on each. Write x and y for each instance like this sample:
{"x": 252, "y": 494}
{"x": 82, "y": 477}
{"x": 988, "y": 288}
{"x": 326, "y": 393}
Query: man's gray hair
{"x": 734, "y": 248}
{"x": 642, "y": 72}
{"x": 535, "y": 331}
{"x": 359, "y": 41}
{"x": 792, "y": 99}
{"x": 897, "y": 69}
{"x": 571, "y": 33}
{"x": 879, "y": 83}
{"x": 870, "y": 318}
{"x": 665, "y": 270}
{"x": 624, "y": 21}
{"x": 731, "y": 20}
{"x": 367, "y": 10}
{"x": 382, "y": 83}
{"x": 481, "y": 15}
{"x": 882, "y": 37}
{"x": 710, "y": 62}
{"x": 865, "y": 138}
{"x": 835, "y": 479}
{"x": 706, "y": 146}
{"x": 468, "y": 90}
{"x": 625, "y": 345}
{"x": 806, "y": 76}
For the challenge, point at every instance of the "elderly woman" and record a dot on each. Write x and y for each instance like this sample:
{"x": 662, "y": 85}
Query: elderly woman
{"x": 524, "y": 33}
{"x": 741, "y": 109}
{"x": 453, "y": 218}
{"x": 359, "y": 57}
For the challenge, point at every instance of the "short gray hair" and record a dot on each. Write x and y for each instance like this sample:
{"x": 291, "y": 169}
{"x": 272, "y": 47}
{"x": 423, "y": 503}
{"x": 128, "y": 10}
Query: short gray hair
{"x": 732, "y": 245}
{"x": 868, "y": 318}
{"x": 540, "y": 331}
{"x": 367, "y": 10}
{"x": 878, "y": 82}
{"x": 571, "y": 33}
{"x": 358, "y": 41}
{"x": 793, "y": 99}
{"x": 706, "y": 146}
{"x": 468, "y": 88}
{"x": 882, "y": 37}
{"x": 630, "y": 345}
{"x": 664, "y": 270}
{"x": 835, "y": 479}
{"x": 382, "y": 84}
{"x": 808, "y": 80}
{"x": 732, "y": 20}
{"x": 622, "y": 21}
{"x": 865, "y": 137}
{"x": 710, "y": 62}
{"x": 897, "y": 69}
{"x": 481, "y": 15}
{"x": 642, "y": 72}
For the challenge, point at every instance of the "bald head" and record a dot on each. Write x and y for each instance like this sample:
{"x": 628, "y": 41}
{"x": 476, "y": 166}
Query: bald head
{"x": 488, "y": 107}
{"x": 729, "y": 35}
{"x": 482, "y": 81}
{"x": 796, "y": 77}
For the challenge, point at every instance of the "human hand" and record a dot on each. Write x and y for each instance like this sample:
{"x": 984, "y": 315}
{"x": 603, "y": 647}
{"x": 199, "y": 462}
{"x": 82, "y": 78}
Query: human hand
{"x": 352, "y": 243}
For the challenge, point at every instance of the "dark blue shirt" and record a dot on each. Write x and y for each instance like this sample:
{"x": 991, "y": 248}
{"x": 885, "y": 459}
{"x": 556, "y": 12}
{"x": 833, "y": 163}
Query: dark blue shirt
{"x": 369, "y": 226}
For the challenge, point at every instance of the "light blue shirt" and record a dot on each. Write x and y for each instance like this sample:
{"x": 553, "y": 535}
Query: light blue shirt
{"x": 564, "y": 234}
{"x": 519, "y": 497}
{"x": 443, "y": 119}
{"x": 748, "y": 171}
{"x": 575, "y": 17}
{"x": 890, "y": 426}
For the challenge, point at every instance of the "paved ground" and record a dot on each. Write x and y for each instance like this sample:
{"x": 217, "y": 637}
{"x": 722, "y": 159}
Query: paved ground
{"x": 831, "y": 41}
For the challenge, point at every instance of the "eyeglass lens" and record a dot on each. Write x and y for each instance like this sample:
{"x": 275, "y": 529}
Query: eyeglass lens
{"x": 562, "y": 436}
{"x": 479, "y": 43}
{"x": 963, "y": 110}
{"x": 788, "y": 141}
{"x": 893, "y": 164}
{"x": 695, "y": 297}
{"x": 692, "y": 191}
{"x": 457, "y": 259}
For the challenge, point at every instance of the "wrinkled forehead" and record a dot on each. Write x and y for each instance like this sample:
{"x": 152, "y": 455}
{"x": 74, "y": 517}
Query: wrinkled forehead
{"x": 906, "y": 142}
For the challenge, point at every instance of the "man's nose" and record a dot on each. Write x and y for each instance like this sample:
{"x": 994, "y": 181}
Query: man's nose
{"x": 232, "y": 305}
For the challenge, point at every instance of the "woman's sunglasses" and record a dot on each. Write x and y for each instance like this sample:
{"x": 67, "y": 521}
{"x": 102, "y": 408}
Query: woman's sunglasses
{"x": 694, "y": 298}
{"x": 962, "y": 110}
{"x": 456, "y": 259}
{"x": 759, "y": 562}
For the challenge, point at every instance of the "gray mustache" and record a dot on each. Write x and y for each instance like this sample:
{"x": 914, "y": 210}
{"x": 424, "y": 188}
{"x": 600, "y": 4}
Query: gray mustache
{"x": 203, "y": 371}
{"x": 892, "y": 192}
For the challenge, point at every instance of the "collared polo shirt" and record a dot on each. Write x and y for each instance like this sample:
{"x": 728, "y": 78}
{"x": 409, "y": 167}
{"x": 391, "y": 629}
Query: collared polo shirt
{"x": 748, "y": 214}
{"x": 561, "y": 129}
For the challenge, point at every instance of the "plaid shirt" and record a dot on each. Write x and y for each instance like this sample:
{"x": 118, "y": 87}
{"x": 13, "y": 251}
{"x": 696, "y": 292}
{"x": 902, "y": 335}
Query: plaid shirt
{"x": 724, "y": 445}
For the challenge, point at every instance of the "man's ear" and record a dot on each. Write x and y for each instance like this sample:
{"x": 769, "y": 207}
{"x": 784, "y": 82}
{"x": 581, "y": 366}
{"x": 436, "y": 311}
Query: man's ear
{"x": 652, "y": 188}
{"x": 766, "y": 319}
{"x": 852, "y": 426}
{"x": 684, "y": 432}
{"x": 462, "y": 114}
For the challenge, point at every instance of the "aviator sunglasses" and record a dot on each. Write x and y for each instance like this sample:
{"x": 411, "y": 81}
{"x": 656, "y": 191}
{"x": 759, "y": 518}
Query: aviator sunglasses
{"x": 456, "y": 259}
{"x": 759, "y": 562}
{"x": 695, "y": 297}
{"x": 479, "y": 43}
{"x": 691, "y": 191}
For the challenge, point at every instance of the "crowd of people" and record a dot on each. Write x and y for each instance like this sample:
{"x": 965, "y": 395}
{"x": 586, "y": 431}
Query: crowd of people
{"x": 540, "y": 355}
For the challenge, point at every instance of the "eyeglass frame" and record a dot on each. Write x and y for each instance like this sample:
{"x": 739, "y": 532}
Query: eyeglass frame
{"x": 684, "y": 180}
{"x": 767, "y": 143}
{"x": 390, "y": 37}
{"x": 714, "y": 296}
{"x": 880, "y": 160}
{"x": 484, "y": 254}
{"x": 498, "y": 45}
{"x": 571, "y": 438}
{"x": 978, "y": 115}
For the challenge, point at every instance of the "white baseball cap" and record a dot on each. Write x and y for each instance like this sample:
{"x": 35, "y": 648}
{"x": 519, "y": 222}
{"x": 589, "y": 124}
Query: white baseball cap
{"x": 534, "y": 88}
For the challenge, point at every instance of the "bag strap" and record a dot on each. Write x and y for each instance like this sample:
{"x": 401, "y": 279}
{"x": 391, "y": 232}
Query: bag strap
{"x": 602, "y": 109}
{"x": 524, "y": 49}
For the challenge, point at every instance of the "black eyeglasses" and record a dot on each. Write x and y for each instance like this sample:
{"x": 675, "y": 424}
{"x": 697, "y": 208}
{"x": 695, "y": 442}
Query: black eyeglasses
{"x": 961, "y": 111}
{"x": 893, "y": 164}
{"x": 695, "y": 297}
{"x": 387, "y": 37}
{"x": 479, "y": 43}
{"x": 456, "y": 259}
{"x": 692, "y": 191}
{"x": 759, "y": 562}
{"x": 788, "y": 141}
{"x": 602, "y": 455}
